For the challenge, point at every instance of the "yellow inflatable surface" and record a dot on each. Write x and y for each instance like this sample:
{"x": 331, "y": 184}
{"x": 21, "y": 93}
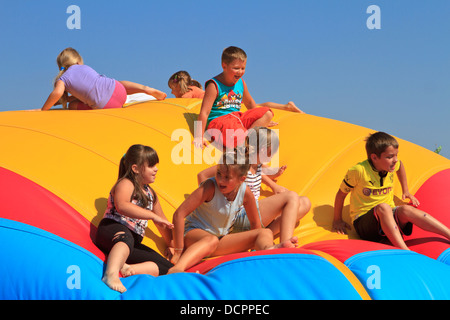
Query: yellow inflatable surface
{"x": 75, "y": 155}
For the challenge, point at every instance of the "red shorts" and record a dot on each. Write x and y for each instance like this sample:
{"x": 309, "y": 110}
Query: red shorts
{"x": 230, "y": 130}
{"x": 117, "y": 99}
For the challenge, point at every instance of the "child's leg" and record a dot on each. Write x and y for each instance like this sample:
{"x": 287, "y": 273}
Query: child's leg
{"x": 258, "y": 239}
{"x": 132, "y": 87}
{"x": 290, "y": 106}
{"x": 264, "y": 121}
{"x": 198, "y": 244}
{"x": 421, "y": 219}
{"x": 286, "y": 206}
{"x": 116, "y": 259}
{"x": 389, "y": 225}
{"x": 148, "y": 267}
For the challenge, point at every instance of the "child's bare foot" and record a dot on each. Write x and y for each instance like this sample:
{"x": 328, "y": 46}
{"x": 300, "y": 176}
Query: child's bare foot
{"x": 127, "y": 271}
{"x": 291, "y": 243}
{"x": 159, "y": 95}
{"x": 290, "y": 106}
{"x": 174, "y": 269}
{"x": 114, "y": 282}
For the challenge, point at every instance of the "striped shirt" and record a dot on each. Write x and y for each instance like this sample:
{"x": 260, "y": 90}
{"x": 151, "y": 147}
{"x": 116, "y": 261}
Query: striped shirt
{"x": 254, "y": 181}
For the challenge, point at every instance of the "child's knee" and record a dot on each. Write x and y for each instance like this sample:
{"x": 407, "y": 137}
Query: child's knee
{"x": 268, "y": 115}
{"x": 383, "y": 211}
{"x": 211, "y": 241}
{"x": 305, "y": 203}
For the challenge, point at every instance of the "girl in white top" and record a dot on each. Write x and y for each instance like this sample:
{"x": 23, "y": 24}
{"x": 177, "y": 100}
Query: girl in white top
{"x": 280, "y": 212}
{"x": 211, "y": 209}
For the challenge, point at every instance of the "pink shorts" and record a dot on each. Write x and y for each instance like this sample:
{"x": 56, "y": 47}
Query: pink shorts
{"x": 230, "y": 130}
{"x": 117, "y": 99}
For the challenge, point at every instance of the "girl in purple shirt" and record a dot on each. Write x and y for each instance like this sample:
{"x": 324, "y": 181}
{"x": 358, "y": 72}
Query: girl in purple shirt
{"x": 88, "y": 89}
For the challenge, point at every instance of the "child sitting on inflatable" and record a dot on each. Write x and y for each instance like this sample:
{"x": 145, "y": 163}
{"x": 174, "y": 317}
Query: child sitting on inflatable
{"x": 279, "y": 212}
{"x": 221, "y": 107}
{"x": 372, "y": 209}
{"x": 90, "y": 90}
{"x": 210, "y": 211}
{"x": 183, "y": 86}
{"x": 131, "y": 203}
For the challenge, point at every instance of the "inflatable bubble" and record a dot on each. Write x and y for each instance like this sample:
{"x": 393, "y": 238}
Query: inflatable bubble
{"x": 57, "y": 168}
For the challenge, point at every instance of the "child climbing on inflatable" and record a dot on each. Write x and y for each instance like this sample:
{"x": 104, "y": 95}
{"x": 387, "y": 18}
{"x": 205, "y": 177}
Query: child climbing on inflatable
{"x": 221, "y": 106}
{"x": 90, "y": 90}
{"x": 374, "y": 214}
{"x": 279, "y": 212}
{"x": 210, "y": 211}
{"x": 131, "y": 203}
{"x": 183, "y": 86}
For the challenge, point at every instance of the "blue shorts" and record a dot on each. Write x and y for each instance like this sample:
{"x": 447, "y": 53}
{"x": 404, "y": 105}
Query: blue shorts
{"x": 368, "y": 227}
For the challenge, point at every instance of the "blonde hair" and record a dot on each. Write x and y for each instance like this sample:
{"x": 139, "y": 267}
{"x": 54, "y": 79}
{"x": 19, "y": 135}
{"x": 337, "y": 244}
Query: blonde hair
{"x": 64, "y": 60}
{"x": 259, "y": 141}
{"x": 232, "y": 53}
{"x": 184, "y": 80}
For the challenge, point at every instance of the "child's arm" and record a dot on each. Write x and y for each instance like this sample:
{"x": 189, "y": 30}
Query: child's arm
{"x": 208, "y": 100}
{"x": 122, "y": 200}
{"x": 339, "y": 225}
{"x": 401, "y": 174}
{"x": 203, "y": 193}
{"x": 55, "y": 95}
{"x": 206, "y": 174}
{"x": 272, "y": 184}
{"x": 251, "y": 209}
{"x": 165, "y": 232}
{"x": 247, "y": 98}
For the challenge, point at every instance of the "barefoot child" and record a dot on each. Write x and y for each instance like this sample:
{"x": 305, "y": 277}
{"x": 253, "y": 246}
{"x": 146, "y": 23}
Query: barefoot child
{"x": 210, "y": 211}
{"x": 132, "y": 202}
{"x": 279, "y": 212}
{"x": 90, "y": 90}
{"x": 374, "y": 214}
{"x": 221, "y": 106}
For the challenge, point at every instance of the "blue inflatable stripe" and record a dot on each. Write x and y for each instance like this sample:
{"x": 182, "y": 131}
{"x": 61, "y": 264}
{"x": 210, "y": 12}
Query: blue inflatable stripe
{"x": 266, "y": 277}
{"x": 444, "y": 257}
{"x": 400, "y": 274}
{"x": 42, "y": 265}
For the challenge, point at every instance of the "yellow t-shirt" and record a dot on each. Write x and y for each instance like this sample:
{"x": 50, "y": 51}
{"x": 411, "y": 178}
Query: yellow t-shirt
{"x": 367, "y": 188}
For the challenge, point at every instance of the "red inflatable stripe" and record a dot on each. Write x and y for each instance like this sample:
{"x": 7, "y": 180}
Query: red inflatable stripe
{"x": 24, "y": 201}
{"x": 434, "y": 198}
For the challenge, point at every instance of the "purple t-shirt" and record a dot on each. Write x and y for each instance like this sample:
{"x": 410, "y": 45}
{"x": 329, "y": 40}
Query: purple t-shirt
{"x": 88, "y": 86}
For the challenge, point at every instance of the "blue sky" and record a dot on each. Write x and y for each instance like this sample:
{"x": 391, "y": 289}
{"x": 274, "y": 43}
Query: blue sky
{"x": 318, "y": 53}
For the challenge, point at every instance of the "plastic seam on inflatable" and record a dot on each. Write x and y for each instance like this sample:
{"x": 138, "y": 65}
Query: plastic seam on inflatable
{"x": 351, "y": 277}
{"x": 350, "y": 261}
{"x": 444, "y": 256}
{"x": 260, "y": 257}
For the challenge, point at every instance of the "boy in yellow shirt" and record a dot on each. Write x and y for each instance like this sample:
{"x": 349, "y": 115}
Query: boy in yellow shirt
{"x": 372, "y": 209}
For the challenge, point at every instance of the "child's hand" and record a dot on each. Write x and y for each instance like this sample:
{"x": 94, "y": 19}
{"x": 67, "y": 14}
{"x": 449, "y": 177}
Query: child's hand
{"x": 169, "y": 252}
{"x": 272, "y": 124}
{"x": 280, "y": 172}
{"x": 340, "y": 226}
{"x": 162, "y": 222}
{"x": 413, "y": 199}
{"x": 175, "y": 257}
{"x": 200, "y": 142}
